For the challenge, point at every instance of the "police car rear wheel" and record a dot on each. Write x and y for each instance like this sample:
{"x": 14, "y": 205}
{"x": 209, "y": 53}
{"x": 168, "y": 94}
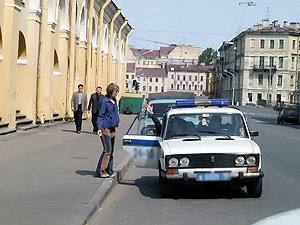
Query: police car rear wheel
{"x": 254, "y": 189}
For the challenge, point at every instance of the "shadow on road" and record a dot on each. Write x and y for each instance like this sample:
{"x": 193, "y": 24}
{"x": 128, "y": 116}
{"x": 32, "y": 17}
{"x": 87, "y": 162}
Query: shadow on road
{"x": 85, "y": 172}
{"x": 84, "y": 132}
{"x": 149, "y": 187}
{"x": 272, "y": 121}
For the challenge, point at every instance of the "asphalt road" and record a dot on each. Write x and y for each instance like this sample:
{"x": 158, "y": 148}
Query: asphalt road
{"x": 136, "y": 200}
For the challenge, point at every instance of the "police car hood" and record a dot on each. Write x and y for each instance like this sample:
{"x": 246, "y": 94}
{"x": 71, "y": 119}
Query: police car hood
{"x": 210, "y": 145}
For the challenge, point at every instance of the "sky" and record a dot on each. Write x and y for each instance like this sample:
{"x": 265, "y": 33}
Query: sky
{"x": 202, "y": 23}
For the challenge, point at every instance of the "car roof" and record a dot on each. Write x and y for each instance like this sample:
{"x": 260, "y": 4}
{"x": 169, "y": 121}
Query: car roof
{"x": 201, "y": 109}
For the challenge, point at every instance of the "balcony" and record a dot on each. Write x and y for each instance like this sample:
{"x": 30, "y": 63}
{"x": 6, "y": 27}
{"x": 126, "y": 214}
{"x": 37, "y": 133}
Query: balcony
{"x": 264, "y": 68}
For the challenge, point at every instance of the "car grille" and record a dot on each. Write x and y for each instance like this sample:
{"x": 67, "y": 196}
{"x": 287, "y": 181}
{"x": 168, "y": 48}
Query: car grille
{"x": 210, "y": 160}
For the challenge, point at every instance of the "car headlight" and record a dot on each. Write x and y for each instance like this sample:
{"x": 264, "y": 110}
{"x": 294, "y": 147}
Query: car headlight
{"x": 184, "y": 162}
{"x": 173, "y": 162}
{"x": 239, "y": 161}
{"x": 251, "y": 161}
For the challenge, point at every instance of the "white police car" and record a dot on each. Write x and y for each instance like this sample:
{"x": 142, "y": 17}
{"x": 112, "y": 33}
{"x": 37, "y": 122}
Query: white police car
{"x": 200, "y": 141}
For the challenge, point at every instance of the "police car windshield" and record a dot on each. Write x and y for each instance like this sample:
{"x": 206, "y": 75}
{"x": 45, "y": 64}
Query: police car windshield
{"x": 206, "y": 124}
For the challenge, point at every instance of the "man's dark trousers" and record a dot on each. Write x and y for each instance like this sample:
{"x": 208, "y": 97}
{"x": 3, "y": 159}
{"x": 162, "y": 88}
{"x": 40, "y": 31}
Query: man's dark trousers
{"x": 94, "y": 121}
{"x": 78, "y": 118}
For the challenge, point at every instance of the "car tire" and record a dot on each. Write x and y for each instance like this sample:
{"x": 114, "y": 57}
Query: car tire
{"x": 163, "y": 185}
{"x": 254, "y": 188}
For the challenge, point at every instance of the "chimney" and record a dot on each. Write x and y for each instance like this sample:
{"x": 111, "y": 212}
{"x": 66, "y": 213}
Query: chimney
{"x": 294, "y": 26}
{"x": 260, "y": 26}
{"x": 285, "y": 23}
{"x": 265, "y": 23}
{"x": 275, "y": 23}
{"x": 255, "y": 27}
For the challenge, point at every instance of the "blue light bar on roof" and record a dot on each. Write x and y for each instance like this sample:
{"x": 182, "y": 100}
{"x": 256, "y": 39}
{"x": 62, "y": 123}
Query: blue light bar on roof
{"x": 201, "y": 102}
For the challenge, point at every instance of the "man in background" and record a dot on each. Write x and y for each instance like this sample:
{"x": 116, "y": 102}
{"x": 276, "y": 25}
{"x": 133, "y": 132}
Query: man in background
{"x": 95, "y": 104}
{"x": 79, "y": 105}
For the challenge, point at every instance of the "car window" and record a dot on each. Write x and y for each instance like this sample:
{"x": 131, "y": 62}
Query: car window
{"x": 142, "y": 125}
{"x": 206, "y": 124}
{"x": 161, "y": 108}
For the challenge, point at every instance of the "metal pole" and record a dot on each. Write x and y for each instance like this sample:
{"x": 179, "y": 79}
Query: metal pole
{"x": 233, "y": 85}
{"x": 269, "y": 83}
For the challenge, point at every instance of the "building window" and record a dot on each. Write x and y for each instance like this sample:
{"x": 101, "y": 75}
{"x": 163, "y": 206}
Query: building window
{"x": 177, "y": 86}
{"x": 281, "y": 44}
{"x": 172, "y": 86}
{"x": 262, "y": 43}
{"x": 278, "y": 98}
{"x": 260, "y": 79}
{"x": 150, "y": 88}
{"x": 178, "y": 77}
{"x": 271, "y": 61}
{"x": 250, "y": 97}
{"x": 126, "y": 85}
{"x": 162, "y": 89}
{"x": 132, "y": 76}
{"x": 252, "y": 43}
{"x": 156, "y": 80}
{"x": 294, "y": 44}
{"x": 183, "y": 77}
{"x": 190, "y": 87}
{"x": 127, "y": 76}
{"x": 150, "y": 79}
{"x": 163, "y": 80}
{"x": 183, "y": 87}
{"x": 144, "y": 88}
{"x": 293, "y": 63}
{"x": 201, "y": 78}
{"x": 195, "y": 87}
{"x": 259, "y": 96}
{"x": 156, "y": 89}
{"x": 201, "y": 87}
{"x": 190, "y": 78}
{"x": 271, "y": 43}
{"x": 172, "y": 77}
{"x": 280, "y": 62}
{"x": 279, "y": 82}
{"x": 144, "y": 79}
{"x": 292, "y": 80}
{"x": 196, "y": 78}
{"x": 261, "y": 61}
{"x": 250, "y": 79}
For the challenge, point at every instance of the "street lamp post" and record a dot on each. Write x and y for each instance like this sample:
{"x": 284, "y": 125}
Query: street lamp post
{"x": 233, "y": 85}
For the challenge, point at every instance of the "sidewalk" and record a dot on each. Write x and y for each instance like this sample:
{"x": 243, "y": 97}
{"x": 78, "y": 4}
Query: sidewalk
{"x": 47, "y": 174}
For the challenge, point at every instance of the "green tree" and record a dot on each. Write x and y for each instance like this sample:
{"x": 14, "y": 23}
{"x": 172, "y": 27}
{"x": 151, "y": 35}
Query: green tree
{"x": 208, "y": 56}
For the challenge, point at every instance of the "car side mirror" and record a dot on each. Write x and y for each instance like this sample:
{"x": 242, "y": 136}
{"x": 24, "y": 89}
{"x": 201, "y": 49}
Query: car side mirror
{"x": 254, "y": 133}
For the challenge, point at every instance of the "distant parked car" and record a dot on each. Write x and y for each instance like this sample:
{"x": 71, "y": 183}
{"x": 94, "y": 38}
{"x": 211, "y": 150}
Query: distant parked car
{"x": 289, "y": 115}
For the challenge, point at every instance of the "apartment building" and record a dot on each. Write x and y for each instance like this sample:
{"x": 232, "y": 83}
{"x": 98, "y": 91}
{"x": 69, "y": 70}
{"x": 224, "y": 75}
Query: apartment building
{"x": 265, "y": 63}
{"x": 189, "y": 78}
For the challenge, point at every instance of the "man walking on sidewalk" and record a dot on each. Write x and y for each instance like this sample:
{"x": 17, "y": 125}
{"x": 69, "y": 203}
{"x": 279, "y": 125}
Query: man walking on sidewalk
{"x": 95, "y": 103}
{"x": 79, "y": 105}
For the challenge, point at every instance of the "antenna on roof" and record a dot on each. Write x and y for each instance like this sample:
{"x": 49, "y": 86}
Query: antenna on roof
{"x": 268, "y": 12}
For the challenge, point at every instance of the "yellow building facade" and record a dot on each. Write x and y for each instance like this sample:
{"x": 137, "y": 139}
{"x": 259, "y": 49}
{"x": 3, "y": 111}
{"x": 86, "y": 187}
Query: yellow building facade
{"x": 49, "y": 47}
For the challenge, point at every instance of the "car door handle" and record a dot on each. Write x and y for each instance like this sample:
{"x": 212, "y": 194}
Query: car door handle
{"x": 127, "y": 141}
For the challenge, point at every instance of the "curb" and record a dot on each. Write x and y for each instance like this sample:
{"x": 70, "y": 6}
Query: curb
{"x": 85, "y": 214}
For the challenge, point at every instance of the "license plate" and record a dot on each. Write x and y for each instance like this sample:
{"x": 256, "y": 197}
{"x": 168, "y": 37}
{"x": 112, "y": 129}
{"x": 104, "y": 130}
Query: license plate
{"x": 213, "y": 176}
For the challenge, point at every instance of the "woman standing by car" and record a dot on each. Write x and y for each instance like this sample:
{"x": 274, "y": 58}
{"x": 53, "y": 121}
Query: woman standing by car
{"x": 108, "y": 120}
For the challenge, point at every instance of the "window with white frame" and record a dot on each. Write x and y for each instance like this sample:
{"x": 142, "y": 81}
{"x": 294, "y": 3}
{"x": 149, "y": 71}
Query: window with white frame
{"x": 280, "y": 65}
{"x": 292, "y": 80}
{"x": 252, "y": 43}
{"x": 281, "y": 43}
{"x": 144, "y": 88}
{"x": 272, "y": 44}
{"x": 260, "y": 79}
{"x": 156, "y": 88}
{"x": 177, "y": 86}
{"x": 279, "y": 80}
{"x": 262, "y": 43}
{"x": 293, "y": 63}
